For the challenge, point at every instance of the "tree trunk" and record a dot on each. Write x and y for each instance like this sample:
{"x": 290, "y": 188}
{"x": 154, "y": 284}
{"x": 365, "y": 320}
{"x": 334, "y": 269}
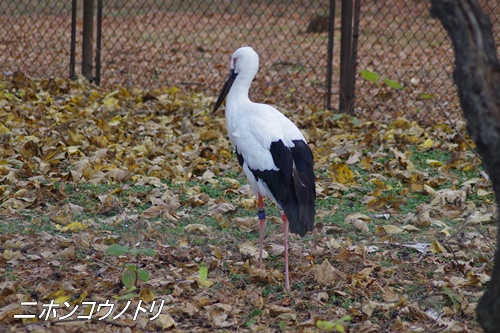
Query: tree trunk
{"x": 477, "y": 76}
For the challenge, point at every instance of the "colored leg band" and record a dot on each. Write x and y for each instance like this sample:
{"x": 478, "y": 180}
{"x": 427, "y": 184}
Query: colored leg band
{"x": 261, "y": 214}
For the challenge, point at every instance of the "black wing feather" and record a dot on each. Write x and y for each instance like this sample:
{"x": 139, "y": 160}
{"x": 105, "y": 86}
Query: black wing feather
{"x": 293, "y": 184}
{"x": 240, "y": 157}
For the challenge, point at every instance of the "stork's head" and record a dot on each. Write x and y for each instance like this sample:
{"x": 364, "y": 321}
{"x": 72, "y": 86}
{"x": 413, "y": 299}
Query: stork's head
{"x": 245, "y": 61}
{"x": 244, "y": 64}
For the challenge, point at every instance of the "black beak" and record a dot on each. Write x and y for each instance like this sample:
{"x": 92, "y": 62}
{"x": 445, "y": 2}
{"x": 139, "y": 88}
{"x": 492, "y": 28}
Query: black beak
{"x": 225, "y": 90}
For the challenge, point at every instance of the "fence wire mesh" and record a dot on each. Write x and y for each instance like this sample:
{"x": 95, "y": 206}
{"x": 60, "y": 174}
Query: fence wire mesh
{"x": 35, "y": 37}
{"x": 399, "y": 41}
{"x": 189, "y": 44}
{"x": 148, "y": 44}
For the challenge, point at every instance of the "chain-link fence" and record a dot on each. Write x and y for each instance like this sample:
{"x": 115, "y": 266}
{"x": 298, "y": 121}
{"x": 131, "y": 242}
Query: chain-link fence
{"x": 399, "y": 41}
{"x": 148, "y": 44}
{"x": 189, "y": 44}
{"x": 35, "y": 37}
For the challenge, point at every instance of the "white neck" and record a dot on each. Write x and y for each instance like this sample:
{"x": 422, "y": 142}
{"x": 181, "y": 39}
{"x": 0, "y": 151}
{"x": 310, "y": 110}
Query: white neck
{"x": 239, "y": 91}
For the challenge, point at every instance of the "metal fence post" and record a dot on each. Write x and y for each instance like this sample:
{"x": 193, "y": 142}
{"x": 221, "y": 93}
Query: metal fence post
{"x": 72, "y": 60}
{"x": 88, "y": 36}
{"x": 98, "y": 43}
{"x": 329, "y": 64}
{"x": 345, "y": 99}
{"x": 354, "y": 53}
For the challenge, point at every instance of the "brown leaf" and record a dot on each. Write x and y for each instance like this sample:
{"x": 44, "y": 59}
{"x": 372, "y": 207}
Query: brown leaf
{"x": 197, "y": 228}
{"x": 146, "y": 295}
{"x": 165, "y": 321}
{"x": 217, "y": 315}
{"x": 119, "y": 175}
{"x": 209, "y": 135}
{"x": 221, "y": 208}
{"x": 325, "y": 273}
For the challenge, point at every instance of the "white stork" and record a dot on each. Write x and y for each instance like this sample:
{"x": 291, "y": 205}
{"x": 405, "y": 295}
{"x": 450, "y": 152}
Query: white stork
{"x": 276, "y": 159}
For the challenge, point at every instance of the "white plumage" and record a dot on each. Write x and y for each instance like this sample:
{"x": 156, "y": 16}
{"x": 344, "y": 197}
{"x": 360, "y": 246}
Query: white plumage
{"x": 252, "y": 131}
{"x": 272, "y": 151}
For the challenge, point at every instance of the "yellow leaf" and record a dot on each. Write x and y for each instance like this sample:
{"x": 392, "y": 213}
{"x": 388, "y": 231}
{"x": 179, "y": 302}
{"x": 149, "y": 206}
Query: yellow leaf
{"x": 115, "y": 121}
{"x": 141, "y": 149}
{"x": 76, "y": 138}
{"x": 217, "y": 253}
{"x": 400, "y": 123}
{"x": 389, "y": 229}
{"x": 80, "y": 299}
{"x": 427, "y": 143}
{"x": 222, "y": 221}
{"x": 73, "y": 227}
{"x": 357, "y": 216}
{"x": 410, "y": 228}
{"x": 62, "y": 299}
{"x": 73, "y": 150}
{"x": 445, "y": 231}
{"x": 481, "y": 192}
{"x": 376, "y": 192}
{"x": 204, "y": 283}
{"x": 4, "y": 129}
{"x": 9, "y": 255}
{"x": 418, "y": 188}
{"x": 225, "y": 154}
{"x": 183, "y": 243}
{"x": 110, "y": 102}
{"x": 436, "y": 247}
{"x": 375, "y": 203}
{"x": 467, "y": 167}
{"x": 380, "y": 183}
{"x": 443, "y": 127}
{"x": 94, "y": 96}
{"x": 60, "y": 296}
{"x": 428, "y": 190}
{"x": 209, "y": 135}
{"x": 147, "y": 295}
{"x": 99, "y": 141}
{"x": 248, "y": 203}
{"x": 434, "y": 163}
{"x": 341, "y": 173}
{"x": 366, "y": 162}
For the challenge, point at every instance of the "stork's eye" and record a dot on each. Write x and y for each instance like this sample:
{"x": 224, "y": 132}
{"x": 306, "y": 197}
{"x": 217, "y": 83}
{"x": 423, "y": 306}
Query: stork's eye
{"x": 234, "y": 62}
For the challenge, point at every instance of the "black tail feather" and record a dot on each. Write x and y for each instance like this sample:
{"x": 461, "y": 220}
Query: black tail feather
{"x": 293, "y": 185}
{"x": 302, "y": 218}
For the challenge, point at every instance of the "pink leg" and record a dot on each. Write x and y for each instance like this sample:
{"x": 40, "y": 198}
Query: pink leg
{"x": 262, "y": 228}
{"x": 285, "y": 231}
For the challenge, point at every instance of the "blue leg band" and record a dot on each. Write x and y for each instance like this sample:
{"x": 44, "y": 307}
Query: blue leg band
{"x": 261, "y": 214}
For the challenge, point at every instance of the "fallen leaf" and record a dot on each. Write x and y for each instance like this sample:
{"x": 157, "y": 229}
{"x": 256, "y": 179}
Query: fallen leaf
{"x": 436, "y": 247}
{"x": 340, "y": 173}
{"x": 165, "y": 321}
{"x": 248, "y": 249}
{"x": 389, "y": 229}
{"x": 325, "y": 273}
{"x": 197, "y": 228}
